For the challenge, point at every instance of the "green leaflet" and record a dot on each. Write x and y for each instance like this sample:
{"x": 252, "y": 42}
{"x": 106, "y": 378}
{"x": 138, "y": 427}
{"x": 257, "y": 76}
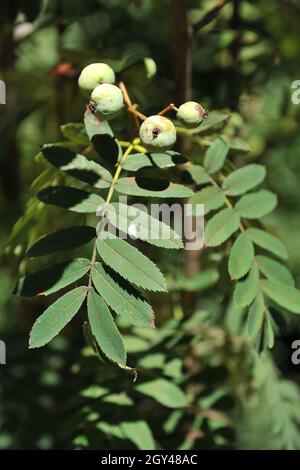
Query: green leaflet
{"x": 78, "y": 166}
{"x": 198, "y": 174}
{"x": 130, "y": 263}
{"x": 256, "y": 316}
{"x": 244, "y": 179}
{"x": 138, "y": 432}
{"x": 135, "y": 309}
{"x": 268, "y": 242}
{"x": 241, "y": 256}
{"x": 274, "y": 271}
{"x": 164, "y": 392}
{"x": 65, "y": 239}
{"x": 202, "y": 280}
{"x": 104, "y": 329}
{"x": 284, "y": 295}
{"x": 102, "y": 138}
{"x": 73, "y": 199}
{"x": 52, "y": 279}
{"x": 256, "y": 205}
{"x": 245, "y": 290}
{"x": 55, "y": 318}
{"x": 215, "y": 155}
{"x": 75, "y": 131}
{"x": 221, "y": 226}
{"x": 151, "y": 187}
{"x": 212, "y": 197}
{"x": 139, "y": 224}
{"x": 149, "y": 160}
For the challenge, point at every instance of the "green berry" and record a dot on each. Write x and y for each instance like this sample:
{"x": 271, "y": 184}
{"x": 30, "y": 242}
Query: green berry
{"x": 93, "y": 75}
{"x": 191, "y": 114}
{"x": 158, "y": 133}
{"x": 106, "y": 101}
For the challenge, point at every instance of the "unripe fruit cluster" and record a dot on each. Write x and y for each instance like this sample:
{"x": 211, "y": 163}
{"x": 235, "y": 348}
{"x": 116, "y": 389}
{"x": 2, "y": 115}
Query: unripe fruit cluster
{"x": 157, "y": 133}
{"x": 97, "y": 82}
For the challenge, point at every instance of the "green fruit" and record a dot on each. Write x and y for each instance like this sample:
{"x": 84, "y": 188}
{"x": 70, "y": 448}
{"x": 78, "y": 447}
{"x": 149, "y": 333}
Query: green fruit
{"x": 157, "y": 133}
{"x": 106, "y": 101}
{"x": 191, "y": 114}
{"x": 93, "y": 75}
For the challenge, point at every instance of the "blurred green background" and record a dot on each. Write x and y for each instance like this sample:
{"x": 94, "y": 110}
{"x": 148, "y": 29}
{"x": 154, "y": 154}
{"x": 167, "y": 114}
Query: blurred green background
{"x": 245, "y": 61}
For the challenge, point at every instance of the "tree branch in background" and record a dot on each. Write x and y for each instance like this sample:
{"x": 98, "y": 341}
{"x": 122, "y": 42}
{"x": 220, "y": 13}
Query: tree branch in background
{"x": 182, "y": 57}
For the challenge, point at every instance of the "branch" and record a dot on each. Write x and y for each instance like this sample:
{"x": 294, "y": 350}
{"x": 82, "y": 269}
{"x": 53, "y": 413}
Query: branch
{"x": 210, "y": 16}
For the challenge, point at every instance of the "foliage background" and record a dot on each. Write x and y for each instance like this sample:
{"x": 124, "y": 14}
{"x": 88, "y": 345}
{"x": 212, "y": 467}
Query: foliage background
{"x": 60, "y": 397}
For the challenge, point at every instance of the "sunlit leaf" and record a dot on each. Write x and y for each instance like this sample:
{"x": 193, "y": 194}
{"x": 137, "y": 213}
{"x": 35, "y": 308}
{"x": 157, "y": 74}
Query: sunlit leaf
{"x": 212, "y": 197}
{"x": 55, "y": 318}
{"x": 215, "y": 155}
{"x": 246, "y": 289}
{"x": 151, "y": 187}
{"x": 283, "y": 294}
{"x": 133, "y": 307}
{"x": 138, "y": 224}
{"x": 164, "y": 392}
{"x": 104, "y": 329}
{"x": 256, "y": 205}
{"x": 102, "y": 137}
{"x": 221, "y": 226}
{"x": 268, "y": 242}
{"x": 241, "y": 256}
{"x": 138, "y": 161}
{"x": 130, "y": 263}
{"x": 244, "y": 179}
{"x": 274, "y": 271}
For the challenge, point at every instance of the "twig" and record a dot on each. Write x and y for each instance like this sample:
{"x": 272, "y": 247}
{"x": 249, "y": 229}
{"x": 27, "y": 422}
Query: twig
{"x": 128, "y": 103}
{"x": 167, "y": 109}
{"x": 210, "y": 16}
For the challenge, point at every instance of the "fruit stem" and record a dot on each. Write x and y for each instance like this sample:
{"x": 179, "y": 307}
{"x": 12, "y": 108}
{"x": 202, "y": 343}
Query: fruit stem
{"x": 133, "y": 110}
{"x": 167, "y": 109}
{"x": 130, "y": 106}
